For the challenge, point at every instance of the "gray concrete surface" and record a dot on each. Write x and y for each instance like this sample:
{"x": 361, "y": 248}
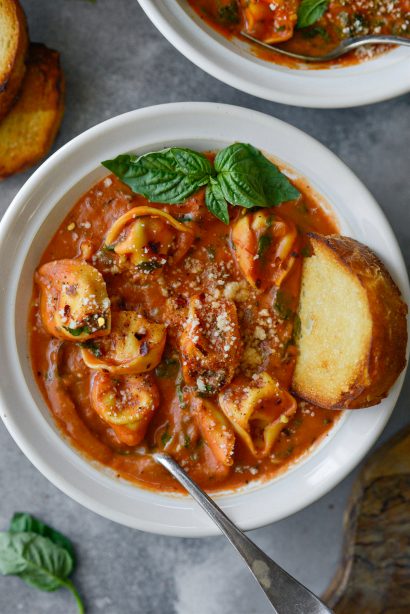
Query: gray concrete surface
{"x": 115, "y": 61}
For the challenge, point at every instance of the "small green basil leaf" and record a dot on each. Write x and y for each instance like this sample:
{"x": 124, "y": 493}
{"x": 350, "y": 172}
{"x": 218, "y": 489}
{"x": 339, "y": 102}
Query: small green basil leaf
{"x": 249, "y": 179}
{"x": 35, "y": 559}
{"x": 215, "y": 201}
{"x": 263, "y": 245}
{"x": 23, "y": 523}
{"x": 310, "y": 11}
{"x": 148, "y": 266}
{"x": 277, "y": 187}
{"x": 238, "y": 176}
{"x": 76, "y": 332}
{"x": 229, "y": 13}
{"x": 167, "y": 176}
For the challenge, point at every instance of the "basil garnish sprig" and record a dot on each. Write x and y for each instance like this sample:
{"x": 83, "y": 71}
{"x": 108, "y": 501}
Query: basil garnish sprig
{"x": 311, "y": 11}
{"x": 39, "y": 555}
{"x": 240, "y": 175}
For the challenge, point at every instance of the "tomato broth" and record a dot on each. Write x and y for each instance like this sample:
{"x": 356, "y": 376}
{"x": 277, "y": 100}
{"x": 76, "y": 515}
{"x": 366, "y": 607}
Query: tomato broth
{"x": 257, "y": 322}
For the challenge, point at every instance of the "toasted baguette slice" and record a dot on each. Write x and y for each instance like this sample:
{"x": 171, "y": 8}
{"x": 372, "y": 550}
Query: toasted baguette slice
{"x": 13, "y": 52}
{"x": 352, "y": 344}
{"x": 28, "y": 131}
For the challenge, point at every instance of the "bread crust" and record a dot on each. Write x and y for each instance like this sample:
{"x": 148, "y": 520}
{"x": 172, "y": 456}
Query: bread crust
{"x": 13, "y": 71}
{"x": 28, "y": 131}
{"x": 386, "y": 355}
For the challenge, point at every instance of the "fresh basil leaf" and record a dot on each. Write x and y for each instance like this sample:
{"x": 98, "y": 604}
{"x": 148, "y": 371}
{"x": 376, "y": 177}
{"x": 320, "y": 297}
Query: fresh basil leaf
{"x": 167, "y": 368}
{"x": 310, "y": 11}
{"x": 229, "y": 13}
{"x": 22, "y": 522}
{"x": 249, "y": 179}
{"x": 316, "y": 31}
{"x": 277, "y": 187}
{"x": 35, "y": 559}
{"x": 148, "y": 266}
{"x": 93, "y": 347}
{"x": 215, "y": 201}
{"x": 265, "y": 241}
{"x": 167, "y": 176}
{"x": 76, "y": 332}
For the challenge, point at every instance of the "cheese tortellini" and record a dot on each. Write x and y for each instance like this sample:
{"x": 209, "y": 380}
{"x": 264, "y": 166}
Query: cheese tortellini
{"x": 127, "y": 403}
{"x": 145, "y": 239}
{"x": 135, "y": 345}
{"x": 258, "y": 409}
{"x": 264, "y": 245}
{"x": 74, "y": 304}
{"x": 216, "y": 430}
{"x": 272, "y": 22}
{"x": 210, "y": 344}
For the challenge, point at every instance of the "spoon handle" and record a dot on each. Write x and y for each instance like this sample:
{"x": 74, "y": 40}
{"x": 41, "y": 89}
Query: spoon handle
{"x": 286, "y": 595}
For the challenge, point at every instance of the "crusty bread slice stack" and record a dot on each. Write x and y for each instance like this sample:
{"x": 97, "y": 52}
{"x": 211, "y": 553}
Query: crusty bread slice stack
{"x": 353, "y": 334}
{"x": 28, "y": 131}
{"x": 13, "y": 51}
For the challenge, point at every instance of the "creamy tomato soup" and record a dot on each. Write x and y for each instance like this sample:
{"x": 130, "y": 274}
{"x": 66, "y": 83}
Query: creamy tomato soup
{"x": 158, "y": 327}
{"x": 307, "y": 27}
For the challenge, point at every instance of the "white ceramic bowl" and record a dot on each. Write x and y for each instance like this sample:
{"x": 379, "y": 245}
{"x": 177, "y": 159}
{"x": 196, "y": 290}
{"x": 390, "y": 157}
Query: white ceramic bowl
{"x": 232, "y": 62}
{"x": 32, "y": 219}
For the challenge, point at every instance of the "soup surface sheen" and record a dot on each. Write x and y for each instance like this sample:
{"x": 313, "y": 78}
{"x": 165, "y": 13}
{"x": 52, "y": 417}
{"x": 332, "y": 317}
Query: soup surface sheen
{"x": 230, "y": 339}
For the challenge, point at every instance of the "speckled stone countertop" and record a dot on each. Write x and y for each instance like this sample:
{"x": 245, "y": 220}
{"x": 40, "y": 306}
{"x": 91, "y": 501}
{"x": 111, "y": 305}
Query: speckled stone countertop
{"x": 114, "y": 61}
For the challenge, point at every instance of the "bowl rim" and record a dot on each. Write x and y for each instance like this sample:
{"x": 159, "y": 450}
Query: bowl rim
{"x": 211, "y": 52}
{"x": 220, "y": 117}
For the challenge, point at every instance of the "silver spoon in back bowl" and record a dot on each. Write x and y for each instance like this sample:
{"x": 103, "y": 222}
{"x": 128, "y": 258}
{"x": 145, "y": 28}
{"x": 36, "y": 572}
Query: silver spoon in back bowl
{"x": 348, "y": 44}
{"x": 285, "y": 593}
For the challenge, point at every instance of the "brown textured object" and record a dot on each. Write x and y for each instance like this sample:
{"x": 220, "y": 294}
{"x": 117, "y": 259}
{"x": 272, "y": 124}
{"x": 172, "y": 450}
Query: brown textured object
{"x": 374, "y": 576}
{"x": 28, "y": 131}
{"x": 13, "y": 52}
{"x": 352, "y": 345}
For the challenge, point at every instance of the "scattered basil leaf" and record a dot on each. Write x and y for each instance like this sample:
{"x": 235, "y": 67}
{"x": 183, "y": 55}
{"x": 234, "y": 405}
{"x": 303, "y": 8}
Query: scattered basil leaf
{"x": 180, "y": 392}
{"x": 165, "y": 437}
{"x": 187, "y": 441}
{"x": 228, "y": 13}
{"x": 282, "y": 306}
{"x": 23, "y": 523}
{"x": 297, "y": 327}
{"x": 215, "y": 201}
{"x": 316, "y": 31}
{"x": 167, "y": 176}
{"x": 38, "y": 561}
{"x": 76, "y": 332}
{"x": 306, "y": 251}
{"x": 109, "y": 248}
{"x": 167, "y": 368}
{"x": 310, "y": 11}
{"x": 264, "y": 242}
{"x": 92, "y": 347}
{"x": 249, "y": 179}
{"x": 149, "y": 266}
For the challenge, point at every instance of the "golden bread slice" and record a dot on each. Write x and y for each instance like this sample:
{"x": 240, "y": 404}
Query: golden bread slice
{"x": 13, "y": 52}
{"x": 28, "y": 131}
{"x": 353, "y": 333}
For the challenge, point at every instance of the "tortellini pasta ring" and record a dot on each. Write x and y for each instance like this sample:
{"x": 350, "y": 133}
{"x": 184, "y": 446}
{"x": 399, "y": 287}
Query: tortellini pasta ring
{"x": 127, "y": 403}
{"x": 216, "y": 430}
{"x": 258, "y": 409}
{"x": 264, "y": 244}
{"x": 74, "y": 303}
{"x": 137, "y": 245}
{"x": 134, "y": 346}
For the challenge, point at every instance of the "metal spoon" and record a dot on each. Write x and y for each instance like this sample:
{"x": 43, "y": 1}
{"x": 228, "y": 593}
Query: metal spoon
{"x": 286, "y": 595}
{"x": 344, "y": 47}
